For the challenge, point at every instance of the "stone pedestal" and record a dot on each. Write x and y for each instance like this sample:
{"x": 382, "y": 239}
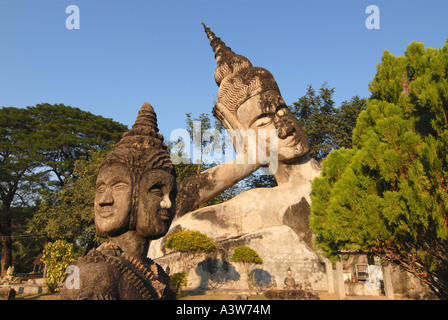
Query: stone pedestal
{"x": 330, "y": 278}
{"x": 340, "y": 280}
{"x": 388, "y": 289}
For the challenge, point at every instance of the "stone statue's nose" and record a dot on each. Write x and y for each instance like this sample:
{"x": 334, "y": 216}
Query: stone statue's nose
{"x": 166, "y": 202}
{"x": 284, "y": 126}
{"x": 106, "y": 199}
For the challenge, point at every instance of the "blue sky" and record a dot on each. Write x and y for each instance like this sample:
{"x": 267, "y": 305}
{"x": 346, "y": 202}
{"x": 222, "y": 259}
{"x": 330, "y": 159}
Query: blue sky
{"x": 128, "y": 52}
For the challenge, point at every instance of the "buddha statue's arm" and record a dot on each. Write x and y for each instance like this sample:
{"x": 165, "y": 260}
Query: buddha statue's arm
{"x": 197, "y": 189}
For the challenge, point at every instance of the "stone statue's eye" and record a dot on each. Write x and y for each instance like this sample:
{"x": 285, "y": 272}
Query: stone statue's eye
{"x": 262, "y": 122}
{"x": 101, "y": 188}
{"x": 156, "y": 190}
{"x": 119, "y": 186}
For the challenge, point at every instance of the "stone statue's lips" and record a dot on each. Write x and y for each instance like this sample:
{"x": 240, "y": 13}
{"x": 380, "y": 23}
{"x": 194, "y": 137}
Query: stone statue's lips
{"x": 165, "y": 215}
{"x": 106, "y": 213}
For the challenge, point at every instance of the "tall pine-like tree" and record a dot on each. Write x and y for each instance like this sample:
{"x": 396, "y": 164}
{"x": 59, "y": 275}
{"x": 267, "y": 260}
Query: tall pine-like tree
{"x": 316, "y": 114}
{"x": 389, "y": 194}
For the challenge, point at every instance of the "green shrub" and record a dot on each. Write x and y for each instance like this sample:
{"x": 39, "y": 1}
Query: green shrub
{"x": 248, "y": 258}
{"x": 190, "y": 244}
{"x": 245, "y": 254}
{"x": 190, "y": 241}
{"x": 57, "y": 256}
{"x": 179, "y": 280}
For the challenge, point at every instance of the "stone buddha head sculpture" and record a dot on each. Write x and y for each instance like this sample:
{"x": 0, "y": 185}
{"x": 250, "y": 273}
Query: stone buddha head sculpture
{"x": 136, "y": 184}
{"x": 249, "y": 98}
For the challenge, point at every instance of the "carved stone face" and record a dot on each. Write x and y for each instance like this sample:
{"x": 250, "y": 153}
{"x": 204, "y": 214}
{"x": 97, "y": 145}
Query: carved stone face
{"x": 113, "y": 199}
{"x": 291, "y": 141}
{"x": 155, "y": 202}
{"x": 156, "y": 199}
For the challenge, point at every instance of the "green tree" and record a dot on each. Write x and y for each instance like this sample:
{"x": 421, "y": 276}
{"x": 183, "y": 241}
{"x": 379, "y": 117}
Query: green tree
{"x": 198, "y": 129}
{"x": 389, "y": 195}
{"x": 18, "y": 174}
{"x": 66, "y": 134}
{"x": 327, "y": 127}
{"x": 313, "y": 112}
{"x": 257, "y": 180}
{"x": 26, "y": 247}
{"x": 248, "y": 258}
{"x": 38, "y": 148}
{"x": 190, "y": 244}
{"x": 345, "y": 121}
{"x": 69, "y": 214}
{"x": 179, "y": 280}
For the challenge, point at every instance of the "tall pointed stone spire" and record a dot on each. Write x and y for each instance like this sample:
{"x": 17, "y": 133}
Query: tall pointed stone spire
{"x": 146, "y": 123}
{"x": 237, "y": 79}
{"x": 228, "y": 62}
{"x": 215, "y": 42}
{"x": 142, "y": 147}
{"x": 146, "y": 116}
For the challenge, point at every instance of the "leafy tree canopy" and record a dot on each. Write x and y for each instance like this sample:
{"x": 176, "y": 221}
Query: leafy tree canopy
{"x": 66, "y": 134}
{"x": 248, "y": 258}
{"x": 38, "y": 149}
{"x": 190, "y": 241}
{"x": 190, "y": 244}
{"x": 326, "y": 127}
{"x": 246, "y": 255}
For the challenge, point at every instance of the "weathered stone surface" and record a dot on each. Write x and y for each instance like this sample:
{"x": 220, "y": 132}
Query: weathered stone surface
{"x": 256, "y": 209}
{"x": 279, "y": 246}
{"x": 108, "y": 273}
{"x": 272, "y": 221}
{"x": 196, "y": 190}
{"x": 134, "y": 203}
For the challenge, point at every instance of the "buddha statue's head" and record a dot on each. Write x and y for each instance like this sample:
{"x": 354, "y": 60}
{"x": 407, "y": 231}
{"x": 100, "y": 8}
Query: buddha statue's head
{"x": 136, "y": 184}
{"x": 249, "y": 98}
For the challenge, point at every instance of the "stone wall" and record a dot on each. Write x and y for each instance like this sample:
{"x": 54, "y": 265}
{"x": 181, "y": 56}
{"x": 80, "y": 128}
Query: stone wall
{"x": 279, "y": 247}
{"x": 272, "y": 221}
